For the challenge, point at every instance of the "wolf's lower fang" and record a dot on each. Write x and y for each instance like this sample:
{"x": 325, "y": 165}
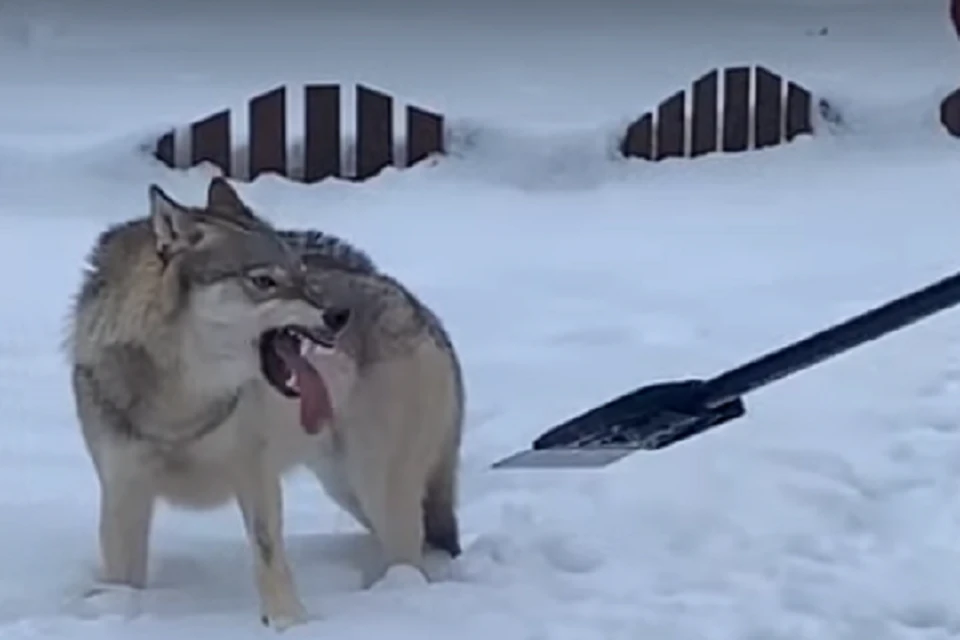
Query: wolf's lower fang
{"x": 305, "y": 346}
{"x": 291, "y": 381}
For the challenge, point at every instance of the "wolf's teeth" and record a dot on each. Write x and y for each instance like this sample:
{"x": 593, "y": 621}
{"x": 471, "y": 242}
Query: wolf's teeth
{"x": 305, "y": 346}
{"x": 291, "y": 381}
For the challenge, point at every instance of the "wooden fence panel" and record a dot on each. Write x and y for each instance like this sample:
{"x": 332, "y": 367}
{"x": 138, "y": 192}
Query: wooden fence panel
{"x": 736, "y": 109}
{"x": 950, "y": 113}
{"x": 799, "y": 104}
{"x": 638, "y": 142}
{"x": 374, "y": 143}
{"x": 165, "y": 151}
{"x": 210, "y": 142}
{"x": 322, "y": 141}
{"x": 704, "y": 121}
{"x": 424, "y": 134}
{"x": 768, "y": 109}
{"x": 268, "y": 133}
{"x": 672, "y": 127}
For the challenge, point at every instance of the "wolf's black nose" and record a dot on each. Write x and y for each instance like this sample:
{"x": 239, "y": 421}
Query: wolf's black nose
{"x": 336, "y": 319}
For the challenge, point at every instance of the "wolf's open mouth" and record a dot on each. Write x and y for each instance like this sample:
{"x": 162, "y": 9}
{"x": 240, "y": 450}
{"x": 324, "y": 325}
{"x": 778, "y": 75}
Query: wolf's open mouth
{"x": 285, "y": 362}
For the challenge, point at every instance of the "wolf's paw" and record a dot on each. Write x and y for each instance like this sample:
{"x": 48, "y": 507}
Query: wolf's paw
{"x": 400, "y": 576}
{"x": 438, "y": 566}
{"x": 107, "y": 599}
{"x": 280, "y": 616}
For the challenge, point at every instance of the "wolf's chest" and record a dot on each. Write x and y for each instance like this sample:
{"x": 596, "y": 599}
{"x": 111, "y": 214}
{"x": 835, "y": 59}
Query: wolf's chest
{"x": 213, "y": 448}
{"x": 200, "y": 473}
{"x": 207, "y": 437}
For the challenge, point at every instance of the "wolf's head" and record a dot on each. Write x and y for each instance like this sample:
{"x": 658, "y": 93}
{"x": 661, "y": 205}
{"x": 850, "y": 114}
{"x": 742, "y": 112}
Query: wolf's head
{"x": 240, "y": 290}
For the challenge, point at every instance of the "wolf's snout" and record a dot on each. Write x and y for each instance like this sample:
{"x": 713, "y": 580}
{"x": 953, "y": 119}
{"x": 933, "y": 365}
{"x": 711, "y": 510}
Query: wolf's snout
{"x": 336, "y": 319}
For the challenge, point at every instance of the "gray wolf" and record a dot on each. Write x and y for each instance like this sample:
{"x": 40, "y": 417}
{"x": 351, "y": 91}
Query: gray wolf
{"x": 167, "y": 334}
{"x": 390, "y": 453}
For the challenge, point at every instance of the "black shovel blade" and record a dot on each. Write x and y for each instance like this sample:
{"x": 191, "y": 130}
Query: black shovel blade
{"x": 659, "y": 415}
{"x": 565, "y": 458}
{"x": 650, "y": 418}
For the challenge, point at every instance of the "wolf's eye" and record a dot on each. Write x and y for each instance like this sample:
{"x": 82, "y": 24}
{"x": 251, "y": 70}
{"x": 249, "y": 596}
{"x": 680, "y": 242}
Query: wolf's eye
{"x": 263, "y": 282}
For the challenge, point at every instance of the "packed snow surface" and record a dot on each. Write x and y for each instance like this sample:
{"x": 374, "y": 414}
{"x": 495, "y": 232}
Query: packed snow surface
{"x": 565, "y": 277}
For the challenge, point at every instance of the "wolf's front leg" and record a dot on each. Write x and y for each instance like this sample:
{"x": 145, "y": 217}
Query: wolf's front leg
{"x": 126, "y": 512}
{"x": 127, "y": 495}
{"x": 260, "y": 495}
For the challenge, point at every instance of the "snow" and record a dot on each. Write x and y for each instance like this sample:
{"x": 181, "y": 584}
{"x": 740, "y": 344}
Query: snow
{"x": 565, "y": 278}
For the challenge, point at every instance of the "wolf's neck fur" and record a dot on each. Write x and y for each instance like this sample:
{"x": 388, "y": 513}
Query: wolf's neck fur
{"x": 147, "y": 305}
{"x": 387, "y": 320}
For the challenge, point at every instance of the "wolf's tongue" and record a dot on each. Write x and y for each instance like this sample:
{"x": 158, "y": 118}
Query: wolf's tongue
{"x": 315, "y": 406}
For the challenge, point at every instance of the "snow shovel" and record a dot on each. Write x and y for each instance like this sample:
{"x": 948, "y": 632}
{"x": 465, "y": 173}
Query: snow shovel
{"x": 659, "y": 415}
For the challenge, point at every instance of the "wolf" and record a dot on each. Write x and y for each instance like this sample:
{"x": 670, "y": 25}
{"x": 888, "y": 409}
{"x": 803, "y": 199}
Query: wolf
{"x": 175, "y": 313}
{"x": 389, "y": 455}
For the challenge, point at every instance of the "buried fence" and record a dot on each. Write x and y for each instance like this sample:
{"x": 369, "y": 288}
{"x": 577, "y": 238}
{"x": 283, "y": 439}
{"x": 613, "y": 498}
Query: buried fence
{"x": 727, "y": 110}
{"x": 950, "y": 106}
{"x": 325, "y": 150}
{"x": 753, "y": 108}
{"x": 950, "y": 113}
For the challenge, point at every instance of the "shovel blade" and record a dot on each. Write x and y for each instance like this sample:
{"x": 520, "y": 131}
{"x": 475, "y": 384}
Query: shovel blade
{"x": 566, "y": 458}
{"x": 647, "y": 419}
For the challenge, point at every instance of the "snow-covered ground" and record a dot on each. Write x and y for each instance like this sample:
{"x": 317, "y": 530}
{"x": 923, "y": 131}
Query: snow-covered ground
{"x": 829, "y": 512}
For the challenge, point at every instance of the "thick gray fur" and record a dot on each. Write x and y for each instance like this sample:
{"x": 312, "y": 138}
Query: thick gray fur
{"x": 407, "y": 375}
{"x": 166, "y": 378}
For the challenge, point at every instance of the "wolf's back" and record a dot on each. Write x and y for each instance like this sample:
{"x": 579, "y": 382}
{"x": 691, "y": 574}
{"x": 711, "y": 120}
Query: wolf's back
{"x": 327, "y": 250}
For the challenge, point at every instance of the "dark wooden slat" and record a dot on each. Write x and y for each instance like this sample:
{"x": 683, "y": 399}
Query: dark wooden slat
{"x": 671, "y": 126}
{"x": 799, "y": 105}
{"x": 424, "y": 134}
{"x": 268, "y": 133}
{"x": 374, "y": 132}
{"x": 736, "y": 109}
{"x": 210, "y": 141}
{"x": 955, "y": 15}
{"x": 768, "y": 109}
{"x": 704, "y": 120}
{"x": 638, "y": 141}
{"x": 164, "y": 151}
{"x": 321, "y": 153}
{"x": 950, "y": 113}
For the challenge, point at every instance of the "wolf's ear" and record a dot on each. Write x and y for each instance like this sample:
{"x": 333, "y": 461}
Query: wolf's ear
{"x": 174, "y": 228}
{"x": 220, "y": 195}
